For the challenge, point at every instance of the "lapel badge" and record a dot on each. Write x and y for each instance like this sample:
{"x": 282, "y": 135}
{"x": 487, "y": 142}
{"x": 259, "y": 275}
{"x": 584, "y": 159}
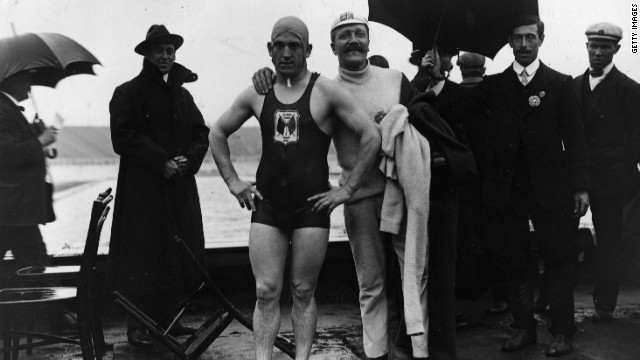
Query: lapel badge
{"x": 542, "y": 94}
{"x": 534, "y": 101}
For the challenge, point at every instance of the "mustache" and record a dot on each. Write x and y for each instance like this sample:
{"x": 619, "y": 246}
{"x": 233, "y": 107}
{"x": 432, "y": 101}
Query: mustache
{"x": 354, "y": 47}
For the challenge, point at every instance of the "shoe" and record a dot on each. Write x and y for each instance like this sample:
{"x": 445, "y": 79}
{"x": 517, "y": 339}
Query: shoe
{"x": 497, "y": 309}
{"x": 602, "y": 316}
{"x": 139, "y": 337}
{"x": 181, "y": 330}
{"x": 560, "y": 345}
{"x": 520, "y": 340}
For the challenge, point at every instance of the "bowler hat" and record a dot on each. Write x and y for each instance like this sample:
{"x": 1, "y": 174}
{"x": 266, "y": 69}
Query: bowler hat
{"x": 158, "y": 34}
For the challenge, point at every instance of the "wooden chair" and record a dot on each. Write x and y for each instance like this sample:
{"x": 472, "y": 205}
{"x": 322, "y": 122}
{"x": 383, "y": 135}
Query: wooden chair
{"x": 22, "y": 305}
{"x": 66, "y": 274}
{"x": 220, "y": 318}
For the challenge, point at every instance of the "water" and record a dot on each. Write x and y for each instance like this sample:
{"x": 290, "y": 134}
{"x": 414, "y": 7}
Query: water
{"x": 226, "y": 224}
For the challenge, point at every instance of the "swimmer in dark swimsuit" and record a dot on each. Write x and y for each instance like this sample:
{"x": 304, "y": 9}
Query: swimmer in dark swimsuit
{"x": 291, "y": 199}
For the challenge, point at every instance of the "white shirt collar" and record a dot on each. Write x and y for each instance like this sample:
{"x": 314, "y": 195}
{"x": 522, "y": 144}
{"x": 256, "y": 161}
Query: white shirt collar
{"x": 165, "y": 77}
{"x": 531, "y": 68}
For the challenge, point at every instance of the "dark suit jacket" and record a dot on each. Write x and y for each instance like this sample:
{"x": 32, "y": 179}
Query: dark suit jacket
{"x": 23, "y": 197}
{"x": 454, "y": 93}
{"x": 612, "y": 125}
{"x": 551, "y": 135}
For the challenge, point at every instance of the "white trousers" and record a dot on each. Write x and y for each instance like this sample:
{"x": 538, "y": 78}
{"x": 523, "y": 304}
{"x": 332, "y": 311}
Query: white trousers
{"x": 362, "y": 220}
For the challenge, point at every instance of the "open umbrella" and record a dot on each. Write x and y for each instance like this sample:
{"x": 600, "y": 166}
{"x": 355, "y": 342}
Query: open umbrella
{"x": 479, "y": 26}
{"x": 50, "y": 57}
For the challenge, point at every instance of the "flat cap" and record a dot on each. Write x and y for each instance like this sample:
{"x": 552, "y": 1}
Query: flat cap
{"x": 470, "y": 60}
{"x": 604, "y": 31}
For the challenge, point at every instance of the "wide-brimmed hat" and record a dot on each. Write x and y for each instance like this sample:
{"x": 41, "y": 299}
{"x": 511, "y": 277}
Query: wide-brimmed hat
{"x": 158, "y": 34}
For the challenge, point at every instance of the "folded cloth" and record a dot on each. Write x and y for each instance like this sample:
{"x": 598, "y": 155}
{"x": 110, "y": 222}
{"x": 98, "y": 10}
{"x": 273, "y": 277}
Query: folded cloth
{"x": 407, "y": 166}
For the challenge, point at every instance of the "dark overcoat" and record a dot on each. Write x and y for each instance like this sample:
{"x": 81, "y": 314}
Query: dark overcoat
{"x": 152, "y": 122}
{"x": 545, "y": 123}
{"x": 24, "y": 199}
{"x": 612, "y": 125}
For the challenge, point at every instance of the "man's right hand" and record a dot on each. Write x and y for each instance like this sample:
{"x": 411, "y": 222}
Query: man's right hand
{"x": 244, "y": 191}
{"x": 170, "y": 169}
{"x": 431, "y": 61}
{"x": 48, "y": 136}
{"x": 263, "y": 80}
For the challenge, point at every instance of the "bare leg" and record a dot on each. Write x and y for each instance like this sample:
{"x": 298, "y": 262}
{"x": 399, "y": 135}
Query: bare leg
{"x": 309, "y": 246}
{"x": 267, "y": 252}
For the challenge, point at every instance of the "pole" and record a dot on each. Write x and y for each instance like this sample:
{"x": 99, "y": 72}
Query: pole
{"x": 435, "y": 38}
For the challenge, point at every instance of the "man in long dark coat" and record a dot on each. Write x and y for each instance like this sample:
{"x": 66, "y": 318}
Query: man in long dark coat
{"x": 536, "y": 168}
{"x": 25, "y": 200}
{"x": 161, "y": 138}
{"x": 610, "y": 104}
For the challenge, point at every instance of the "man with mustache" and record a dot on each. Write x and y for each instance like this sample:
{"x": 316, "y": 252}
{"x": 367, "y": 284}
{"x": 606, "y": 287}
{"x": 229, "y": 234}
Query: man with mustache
{"x": 610, "y": 104}
{"x": 536, "y": 168}
{"x": 377, "y": 90}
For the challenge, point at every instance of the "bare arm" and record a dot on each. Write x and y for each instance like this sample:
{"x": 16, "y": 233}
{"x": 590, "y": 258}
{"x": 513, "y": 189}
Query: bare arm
{"x": 232, "y": 119}
{"x": 344, "y": 106}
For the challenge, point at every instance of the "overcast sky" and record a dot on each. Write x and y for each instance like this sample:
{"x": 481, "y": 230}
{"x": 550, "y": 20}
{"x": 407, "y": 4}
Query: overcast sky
{"x": 225, "y": 42}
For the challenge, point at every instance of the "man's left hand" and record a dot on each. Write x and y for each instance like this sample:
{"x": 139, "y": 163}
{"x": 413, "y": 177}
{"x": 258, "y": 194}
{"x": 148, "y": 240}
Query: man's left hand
{"x": 330, "y": 199}
{"x": 580, "y": 203}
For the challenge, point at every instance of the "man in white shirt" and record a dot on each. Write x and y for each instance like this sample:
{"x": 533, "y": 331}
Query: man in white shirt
{"x": 610, "y": 104}
{"x": 536, "y": 168}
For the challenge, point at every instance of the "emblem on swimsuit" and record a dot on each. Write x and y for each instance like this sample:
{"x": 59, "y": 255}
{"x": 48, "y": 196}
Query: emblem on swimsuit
{"x": 286, "y": 126}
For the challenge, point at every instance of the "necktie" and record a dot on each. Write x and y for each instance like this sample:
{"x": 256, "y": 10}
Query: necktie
{"x": 523, "y": 77}
{"x": 596, "y": 73}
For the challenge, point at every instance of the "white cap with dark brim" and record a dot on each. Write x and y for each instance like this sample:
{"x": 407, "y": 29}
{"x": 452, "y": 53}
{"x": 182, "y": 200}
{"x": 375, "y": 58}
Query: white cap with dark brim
{"x": 348, "y": 18}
